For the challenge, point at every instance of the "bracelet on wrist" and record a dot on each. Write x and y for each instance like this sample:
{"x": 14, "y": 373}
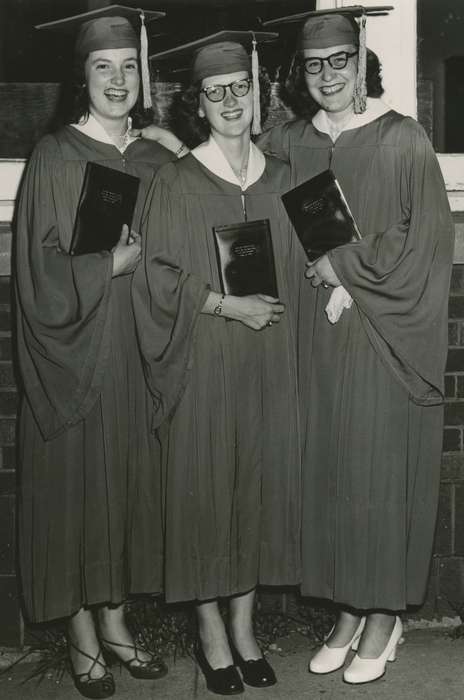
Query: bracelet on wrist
{"x": 218, "y": 308}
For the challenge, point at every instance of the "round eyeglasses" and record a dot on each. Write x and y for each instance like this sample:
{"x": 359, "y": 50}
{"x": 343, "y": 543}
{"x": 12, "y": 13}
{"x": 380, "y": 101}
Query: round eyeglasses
{"x": 216, "y": 93}
{"x": 314, "y": 65}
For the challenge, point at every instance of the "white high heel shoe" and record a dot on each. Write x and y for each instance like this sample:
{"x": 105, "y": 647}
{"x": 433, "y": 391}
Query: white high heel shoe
{"x": 366, "y": 670}
{"x": 329, "y": 659}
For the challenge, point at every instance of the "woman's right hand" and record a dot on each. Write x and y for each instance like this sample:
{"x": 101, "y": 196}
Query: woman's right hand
{"x": 163, "y": 136}
{"x": 127, "y": 253}
{"x": 255, "y": 311}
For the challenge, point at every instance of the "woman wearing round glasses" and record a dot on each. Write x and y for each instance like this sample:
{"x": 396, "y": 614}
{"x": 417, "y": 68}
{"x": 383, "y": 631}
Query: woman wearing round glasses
{"x": 222, "y": 369}
{"x": 374, "y": 419}
{"x": 314, "y": 65}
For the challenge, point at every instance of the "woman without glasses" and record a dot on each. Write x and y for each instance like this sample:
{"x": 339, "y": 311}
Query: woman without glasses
{"x": 89, "y": 517}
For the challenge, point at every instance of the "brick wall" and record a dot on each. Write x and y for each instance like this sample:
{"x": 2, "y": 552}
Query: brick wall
{"x": 446, "y": 588}
{"x": 10, "y": 627}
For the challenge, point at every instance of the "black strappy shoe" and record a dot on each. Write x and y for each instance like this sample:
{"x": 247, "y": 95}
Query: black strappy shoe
{"x": 92, "y": 687}
{"x": 151, "y": 669}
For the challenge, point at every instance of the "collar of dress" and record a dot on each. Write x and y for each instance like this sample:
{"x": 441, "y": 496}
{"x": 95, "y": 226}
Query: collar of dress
{"x": 375, "y": 109}
{"x": 91, "y": 127}
{"x": 212, "y": 157}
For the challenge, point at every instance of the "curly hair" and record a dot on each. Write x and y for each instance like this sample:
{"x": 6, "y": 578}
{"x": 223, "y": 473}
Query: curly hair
{"x": 183, "y": 115}
{"x": 295, "y": 91}
{"x": 75, "y": 104}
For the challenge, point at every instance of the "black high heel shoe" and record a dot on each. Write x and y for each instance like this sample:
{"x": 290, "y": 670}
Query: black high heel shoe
{"x": 151, "y": 669}
{"x": 87, "y": 686}
{"x": 222, "y": 681}
{"x": 255, "y": 672}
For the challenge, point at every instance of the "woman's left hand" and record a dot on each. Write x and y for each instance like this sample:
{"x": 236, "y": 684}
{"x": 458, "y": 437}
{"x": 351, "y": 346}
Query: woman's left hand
{"x": 322, "y": 272}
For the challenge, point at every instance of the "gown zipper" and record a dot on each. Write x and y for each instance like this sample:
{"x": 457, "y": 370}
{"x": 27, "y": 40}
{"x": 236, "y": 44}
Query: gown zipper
{"x": 242, "y": 196}
{"x": 331, "y": 154}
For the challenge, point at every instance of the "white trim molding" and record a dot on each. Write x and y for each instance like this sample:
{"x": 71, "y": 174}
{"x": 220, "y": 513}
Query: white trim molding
{"x": 11, "y": 171}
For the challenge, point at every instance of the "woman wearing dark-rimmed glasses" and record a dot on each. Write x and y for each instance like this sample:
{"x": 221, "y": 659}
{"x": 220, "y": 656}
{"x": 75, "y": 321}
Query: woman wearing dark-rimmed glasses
{"x": 222, "y": 369}
{"x": 375, "y": 384}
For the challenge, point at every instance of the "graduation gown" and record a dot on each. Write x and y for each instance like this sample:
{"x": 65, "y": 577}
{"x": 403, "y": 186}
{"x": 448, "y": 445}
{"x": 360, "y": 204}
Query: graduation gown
{"x": 230, "y": 441}
{"x": 375, "y": 379}
{"x": 89, "y": 511}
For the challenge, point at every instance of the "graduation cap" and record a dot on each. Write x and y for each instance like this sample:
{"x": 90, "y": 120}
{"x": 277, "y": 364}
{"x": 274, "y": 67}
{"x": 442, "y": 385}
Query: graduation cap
{"x": 110, "y": 28}
{"x": 320, "y": 29}
{"x": 223, "y": 52}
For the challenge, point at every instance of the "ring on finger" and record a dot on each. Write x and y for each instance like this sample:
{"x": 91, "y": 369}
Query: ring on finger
{"x": 269, "y": 323}
{"x": 325, "y": 285}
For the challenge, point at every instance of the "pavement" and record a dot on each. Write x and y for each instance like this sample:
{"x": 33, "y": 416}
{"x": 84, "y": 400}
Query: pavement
{"x": 429, "y": 666}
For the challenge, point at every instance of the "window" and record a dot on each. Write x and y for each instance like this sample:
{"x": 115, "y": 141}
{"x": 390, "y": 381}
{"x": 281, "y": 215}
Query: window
{"x": 440, "y": 72}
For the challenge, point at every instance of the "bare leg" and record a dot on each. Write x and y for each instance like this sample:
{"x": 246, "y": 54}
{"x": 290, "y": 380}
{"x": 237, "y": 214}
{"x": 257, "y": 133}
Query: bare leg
{"x": 377, "y": 632}
{"x": 241, "y": 625}
{"x": 213, "y": 635}
{"x": 113, "y": 628}
{"x": 82, "y": 635}
{"x": 377, "y": 646}
{"x": 345, "y": 627}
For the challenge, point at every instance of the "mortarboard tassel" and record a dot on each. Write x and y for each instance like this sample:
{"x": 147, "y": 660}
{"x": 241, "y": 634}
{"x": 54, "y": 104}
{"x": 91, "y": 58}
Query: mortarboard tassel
{"x": 146, "y": 91}
{"x": 256, "y": 124}
{"x": 292, "y": 65}
{"x": 360, "y": 90}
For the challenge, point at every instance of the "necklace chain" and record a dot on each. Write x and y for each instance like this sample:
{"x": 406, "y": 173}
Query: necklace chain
{"x": 125, "y": 139}
{"x": 126, "y": 136}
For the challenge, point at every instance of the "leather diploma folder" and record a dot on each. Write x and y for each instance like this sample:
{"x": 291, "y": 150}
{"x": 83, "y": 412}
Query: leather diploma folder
{"x": 107, "y": 202}
{"x": 320, "y": 215}
{"x": 245, "y": 258}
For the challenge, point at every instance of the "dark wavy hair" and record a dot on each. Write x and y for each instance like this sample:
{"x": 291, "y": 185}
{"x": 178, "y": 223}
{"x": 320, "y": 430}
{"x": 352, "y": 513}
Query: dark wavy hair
{"x": 183, "y": 115}
{"x": 74, "y": 101}
{"x": 295, "y": 91}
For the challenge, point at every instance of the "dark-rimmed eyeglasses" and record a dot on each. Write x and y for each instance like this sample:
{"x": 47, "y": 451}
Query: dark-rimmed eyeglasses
{"x": 314, "y": 65}
{"x": 239, "y": 88}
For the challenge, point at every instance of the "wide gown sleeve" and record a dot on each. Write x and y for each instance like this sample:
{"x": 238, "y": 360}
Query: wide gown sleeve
{"x": 399, "y": 278}
{"x": 62, "y": 304}
{"x": 167, "y": 298}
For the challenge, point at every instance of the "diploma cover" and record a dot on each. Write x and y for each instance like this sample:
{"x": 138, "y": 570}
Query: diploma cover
{"x": 107, "y": 201}
{"x": 245, "y": 258}
{"x": 320, "y": 214}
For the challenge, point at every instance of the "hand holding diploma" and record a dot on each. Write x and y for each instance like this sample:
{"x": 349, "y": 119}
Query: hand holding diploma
{"x": 254, "y": 310}
{"x": 322, "y": 272}
{"x": 127, "y": 253}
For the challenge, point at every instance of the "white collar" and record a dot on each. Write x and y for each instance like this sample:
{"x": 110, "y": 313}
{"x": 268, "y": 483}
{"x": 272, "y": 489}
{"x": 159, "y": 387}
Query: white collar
{"x": 375, "y": 109}
{"x": 91, "y": 127}
{"x": 212, "y": 157}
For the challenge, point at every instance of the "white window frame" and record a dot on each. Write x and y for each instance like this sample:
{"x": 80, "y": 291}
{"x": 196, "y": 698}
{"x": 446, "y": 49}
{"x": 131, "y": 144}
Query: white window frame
{"x": 394, "y": 38}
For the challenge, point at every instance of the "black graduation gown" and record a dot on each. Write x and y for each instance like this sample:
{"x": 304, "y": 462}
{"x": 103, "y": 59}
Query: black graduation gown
{"x": 375, "y": 379}
{"x": 231, "y": 451}
{"x": 89, "y": 507}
